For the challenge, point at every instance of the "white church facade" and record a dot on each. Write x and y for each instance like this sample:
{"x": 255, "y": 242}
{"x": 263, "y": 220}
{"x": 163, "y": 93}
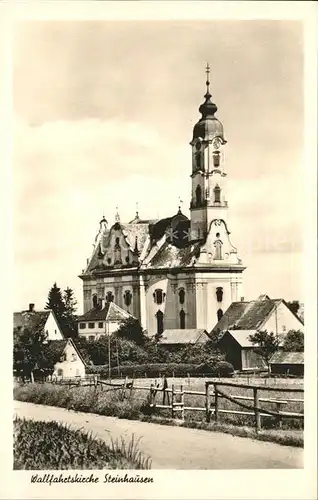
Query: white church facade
{"x": 177, "y": 272}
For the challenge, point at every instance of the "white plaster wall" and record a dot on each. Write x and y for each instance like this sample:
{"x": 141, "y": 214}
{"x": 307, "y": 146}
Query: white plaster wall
{"x": 72, "y": 367}
{"x": 52, "y": 328}
{"x": 285, "y": 321}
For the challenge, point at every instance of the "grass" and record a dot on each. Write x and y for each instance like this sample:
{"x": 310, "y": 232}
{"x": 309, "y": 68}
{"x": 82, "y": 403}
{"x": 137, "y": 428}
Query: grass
{"x": 51, "y": 446}
{"x": 114, "y": 403}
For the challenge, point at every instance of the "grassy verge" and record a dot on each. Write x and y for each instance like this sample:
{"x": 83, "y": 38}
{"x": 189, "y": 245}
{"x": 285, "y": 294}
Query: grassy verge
{"x": 113, "y": 403}
{"x": 52, "y": 446}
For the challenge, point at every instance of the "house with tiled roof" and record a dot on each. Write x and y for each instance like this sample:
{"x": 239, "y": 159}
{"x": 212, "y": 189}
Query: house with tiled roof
{"x": 242, "y": 319}
{"x": 176, "y": 272}
{"x": 100, "y": 321}
{"x": 67, "y": 358}
{"x": 287, "y": 363}
{"x": 179, "y": 337}
{"x": 39, "y": 320}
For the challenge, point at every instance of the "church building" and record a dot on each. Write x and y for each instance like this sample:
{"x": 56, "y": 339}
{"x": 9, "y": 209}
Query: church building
{"x": 177, "y": 272}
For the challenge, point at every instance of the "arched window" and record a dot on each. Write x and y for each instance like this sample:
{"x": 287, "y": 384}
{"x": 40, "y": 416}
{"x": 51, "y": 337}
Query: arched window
{"x": 109, "y": 297}
{"x": 181, "y": 295}
{"x": 158, "y": 296}
{"x": 182, "y": 319}
{"x": 219, "y": 314}
{"x": 218, "y": 250}
{"x": 198, "y": 195}
{"x": 217, "y": 194}
{"x": 219, "y": 294}
{"x": 159, "y": 316}
{"x": 127, "y": 297}
{"x": 95, "y": 300}
{"x": 198, "y": 160}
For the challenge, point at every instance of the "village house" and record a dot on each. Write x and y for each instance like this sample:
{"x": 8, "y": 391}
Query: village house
{"x": 101, "y": 320}
{"x": 68, "y": 361}
{"x": 174, "y": 339}
{"x": 36, "y": 320}
{"x": 243, "y": 319}
{"x": 287, "y": 363}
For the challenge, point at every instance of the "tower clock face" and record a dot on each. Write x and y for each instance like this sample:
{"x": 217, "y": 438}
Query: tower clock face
{"x": 198, "y": 146}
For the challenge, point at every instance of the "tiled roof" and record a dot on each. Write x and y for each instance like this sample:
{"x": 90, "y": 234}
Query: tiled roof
{"x": 246, "y": 315}
{"x": 111, "y": 312}
{"x": 171, "y": 256}
{"x": 132, "y": 231}
{"x": 242, "y": 337}
{"x": 287, "y": 358}
{"x": 32, "y": 320}
{"x": 186, "y": 336}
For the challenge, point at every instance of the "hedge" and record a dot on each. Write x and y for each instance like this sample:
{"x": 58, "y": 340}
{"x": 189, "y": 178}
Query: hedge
{"x": 151, "y": 370}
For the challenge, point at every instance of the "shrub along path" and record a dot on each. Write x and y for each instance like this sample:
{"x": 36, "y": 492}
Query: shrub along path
{"x": 175, "y": 447}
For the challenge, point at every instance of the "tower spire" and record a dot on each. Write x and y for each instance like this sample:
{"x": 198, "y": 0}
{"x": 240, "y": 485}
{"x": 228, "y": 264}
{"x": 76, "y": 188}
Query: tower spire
{"x": 207, "y": 70}
{"x": 117, "y": 217}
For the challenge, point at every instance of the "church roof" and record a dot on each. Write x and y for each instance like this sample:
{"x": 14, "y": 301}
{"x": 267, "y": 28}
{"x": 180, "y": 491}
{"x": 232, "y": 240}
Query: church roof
{"x": 185, "y": 336}
{"x": 246, "y": 315}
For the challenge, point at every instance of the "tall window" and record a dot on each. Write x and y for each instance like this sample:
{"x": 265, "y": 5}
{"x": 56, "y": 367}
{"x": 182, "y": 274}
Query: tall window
{"x": 216, "y": 159}
{"x": 217, "y": 194}
{"x": 219, "y": 314}
{"x": 181, "y": 295}
{"x": 109, "y": 297}
{"x": 198, "y": 160}
{"x": 198, "y": 195}
{"x": 127, "y": 297}
{"x": 159, "y": 316}
{"x": 158, "y": 296}
{"x": 218, "y": 250}
{"x": 219, "y": 294}
{"x": 182, "y": 319}
{"x": 95, "y": 301}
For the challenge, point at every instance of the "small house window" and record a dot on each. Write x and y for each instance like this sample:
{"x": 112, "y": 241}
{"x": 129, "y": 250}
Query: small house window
{"x": 219, "y": 294}
{"x": 219, "y": 314}
{"x": 100, "y": 324}
{"x": 82, "y": 326}
{"x": 109, "y": 297}
{"x": 181, "y": 295}
{"x": 60, "y": 372}
{"x": 91, "y": 325}
{"x": 182, "y": 319}
{"x": 74, "y": 356}
{"x": 158, "y": 296}
{"x": 127, "y": 297}
{"x": 217, "y": 194}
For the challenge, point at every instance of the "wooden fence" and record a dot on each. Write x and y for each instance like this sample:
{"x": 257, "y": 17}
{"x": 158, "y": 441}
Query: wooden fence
{"x": 173, "y": 398}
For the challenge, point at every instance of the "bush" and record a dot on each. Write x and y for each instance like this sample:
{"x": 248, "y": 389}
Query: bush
{"x": 224, "y": 369}
{"x": 50, "y": 445}
{"x": 151, "y": 370}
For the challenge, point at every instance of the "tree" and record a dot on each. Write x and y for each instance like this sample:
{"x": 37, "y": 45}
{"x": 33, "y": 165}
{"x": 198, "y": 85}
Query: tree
{"x": 70, "y": 318}
{"x": 131, "y": 329}
{"x": 29, "y": 352}
{"x": 294, "y": 306}
{"x": 294, "y": 341}
{"x": 265, "y": 344}
{"x": 55, "y": 302}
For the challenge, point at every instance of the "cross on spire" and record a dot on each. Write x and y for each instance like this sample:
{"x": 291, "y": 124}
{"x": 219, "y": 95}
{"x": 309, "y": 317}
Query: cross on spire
{"x": 207, "y": 70}
{"x": 117, "y": 217}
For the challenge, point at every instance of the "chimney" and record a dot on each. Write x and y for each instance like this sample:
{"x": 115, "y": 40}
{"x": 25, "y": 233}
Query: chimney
{"x": 242, "y": 299}
{"x": 31, "y": 307}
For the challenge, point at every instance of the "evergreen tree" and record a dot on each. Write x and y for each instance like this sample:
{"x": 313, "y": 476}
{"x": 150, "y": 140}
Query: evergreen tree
{"x": 131, "y": 329}
{"x": 56, "y": 303}
{"x": 70, "y": 318}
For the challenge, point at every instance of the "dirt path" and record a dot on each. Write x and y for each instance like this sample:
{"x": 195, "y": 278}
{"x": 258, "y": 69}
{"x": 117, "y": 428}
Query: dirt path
{"x": 175, "y": 447}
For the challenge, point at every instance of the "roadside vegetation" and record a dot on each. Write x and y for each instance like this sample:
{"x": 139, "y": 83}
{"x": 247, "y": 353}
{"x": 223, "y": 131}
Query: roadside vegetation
{"x": 51, "y": 446}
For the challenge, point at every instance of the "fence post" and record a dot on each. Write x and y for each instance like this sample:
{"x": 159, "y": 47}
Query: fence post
{"x": 207, "y": 401}
{"x": 172, "y": 400}
{"x": 256, "y": 410}
{"x": 182, "y": 402}
{"x": 131, "y": 388}
{"x": 278, "y": 418}
{"x": 216, "y": 403}
{"x": 151, "y": 394}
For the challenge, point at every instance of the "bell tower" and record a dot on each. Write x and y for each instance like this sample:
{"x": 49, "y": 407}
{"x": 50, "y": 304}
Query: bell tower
{"x": 208, "y": 195}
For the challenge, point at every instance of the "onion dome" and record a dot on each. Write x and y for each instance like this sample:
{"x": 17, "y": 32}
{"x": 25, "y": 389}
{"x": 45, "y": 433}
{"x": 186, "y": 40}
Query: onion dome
{"x": 208, "y": 126}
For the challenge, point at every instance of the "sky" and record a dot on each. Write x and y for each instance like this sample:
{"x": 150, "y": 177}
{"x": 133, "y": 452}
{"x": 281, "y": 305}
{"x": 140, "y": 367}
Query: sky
{"x": 103, "y": 115}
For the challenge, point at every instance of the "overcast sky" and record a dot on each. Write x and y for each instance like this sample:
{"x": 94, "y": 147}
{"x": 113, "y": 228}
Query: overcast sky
{"x": 104, "y": 113}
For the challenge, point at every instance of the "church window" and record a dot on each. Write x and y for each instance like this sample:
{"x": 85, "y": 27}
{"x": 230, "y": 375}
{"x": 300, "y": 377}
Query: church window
{"x": 127, "y": 260}
{"x": 219, "y": 314}
{"x": 117, "y": 241}
{"x": 216, "y": 159}
{"x": 91, "y": 325}
{"x": 219, "y": 294}
{"x": 218, "y": 250}
{"x": 109, "y": 260}
{"x": 217, "y": 235}
{"x": 198, "y": 160}
{"x": 159, "y": 316}
{"x": 181, "y": 295}
{"x": 109, "y": 297}
{"x": 182, "y": 319}
{"x": 127, "y": 297}
{"x": 198, "y": 195}
{"x": 158, "y": 296}
{"x": 82, "y": 326}
{"x": 95, "y": 301}
{"x": 217, "y": 194}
